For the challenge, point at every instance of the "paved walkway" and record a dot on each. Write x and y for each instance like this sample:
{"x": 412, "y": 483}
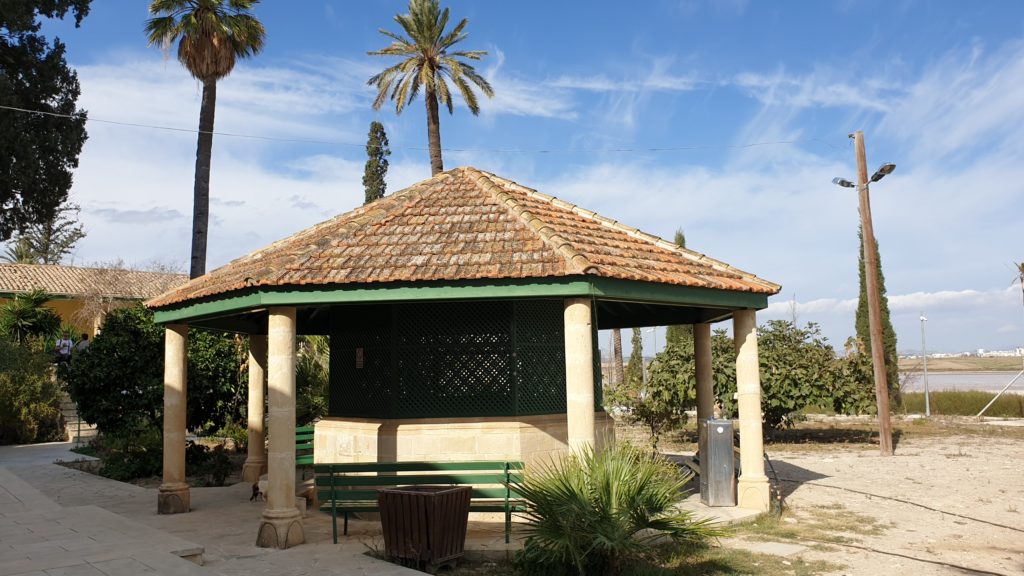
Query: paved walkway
{"x": 56, "y": 520}
{"x": 59, "y": 521}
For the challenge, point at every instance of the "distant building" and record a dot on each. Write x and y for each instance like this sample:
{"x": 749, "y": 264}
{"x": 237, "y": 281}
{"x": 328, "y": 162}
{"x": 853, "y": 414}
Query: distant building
{"x": 82, "y": 296}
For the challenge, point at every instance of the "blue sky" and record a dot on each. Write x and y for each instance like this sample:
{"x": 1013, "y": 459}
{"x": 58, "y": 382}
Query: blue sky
{"x": 728, "y": 119}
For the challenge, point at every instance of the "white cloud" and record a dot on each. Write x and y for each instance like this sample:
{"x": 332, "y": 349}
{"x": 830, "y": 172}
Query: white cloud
{"x": 520, "y": 97}
{"x": 822, "y": 88}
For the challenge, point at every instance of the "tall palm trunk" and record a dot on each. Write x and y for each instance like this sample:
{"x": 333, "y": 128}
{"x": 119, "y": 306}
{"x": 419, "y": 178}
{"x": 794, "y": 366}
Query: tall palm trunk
{"x": 433, "y": 133}
{"x": 617, "y": 356}
{"x": 201, "y": 195}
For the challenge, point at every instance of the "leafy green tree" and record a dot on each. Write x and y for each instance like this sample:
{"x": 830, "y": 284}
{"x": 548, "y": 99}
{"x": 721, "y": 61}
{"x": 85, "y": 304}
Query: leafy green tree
{"x": 118, "y": 381}
{"x": 211, "y": 35}
{"x": 29, "y": 396}
{"x": 50, "y": 241}
{"x": 376, "y": 169}
{"x": 38, "y": 149}
{"x": 312, "y": 378}
{"x": 892, "y": 370}
{"x": 427, "y": 59}
{"x": 602, "y": 512}
{"x": 26, "y": 317}
{"x": 798, "y": 369}
{"x": 635, "y": 366}
{"x": 661, "y": 404}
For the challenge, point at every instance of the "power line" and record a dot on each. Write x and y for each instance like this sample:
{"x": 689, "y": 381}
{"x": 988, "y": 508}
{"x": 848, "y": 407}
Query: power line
{"x": 692, "y": 148}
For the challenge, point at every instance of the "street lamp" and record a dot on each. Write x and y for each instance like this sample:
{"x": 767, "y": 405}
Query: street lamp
{"x": 874, "y": 297}
{"x": 924, "y": 354}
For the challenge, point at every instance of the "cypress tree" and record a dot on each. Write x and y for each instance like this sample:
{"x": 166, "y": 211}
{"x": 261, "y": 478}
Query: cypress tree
{"x": 377, "y": 153}
{"x": 635, "y": 367}
{"x": 679, "y": 334}
{"x": 892, "y": 373}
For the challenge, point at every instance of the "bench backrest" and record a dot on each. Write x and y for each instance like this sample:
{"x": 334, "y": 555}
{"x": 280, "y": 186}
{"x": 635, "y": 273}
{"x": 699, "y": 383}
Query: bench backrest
{"x": 360, "y": 480}
{"x": 303, "y": 445}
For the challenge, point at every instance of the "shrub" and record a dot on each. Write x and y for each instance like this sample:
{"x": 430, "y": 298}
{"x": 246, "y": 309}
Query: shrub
{"x": 599, "y": 512}
{"x": 26, "y": 317}
{"x": 118, "y": 381}
{"x": 131, "y": 453}
{"x": 29, "y": 395}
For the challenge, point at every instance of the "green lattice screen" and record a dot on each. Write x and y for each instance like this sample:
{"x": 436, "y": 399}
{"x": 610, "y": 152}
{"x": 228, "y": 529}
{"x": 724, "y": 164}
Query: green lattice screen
{"x": 435, "y": 360}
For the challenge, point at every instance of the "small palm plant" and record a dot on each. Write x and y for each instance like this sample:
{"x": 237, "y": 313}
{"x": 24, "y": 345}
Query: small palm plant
{"x": 598, "y": 512}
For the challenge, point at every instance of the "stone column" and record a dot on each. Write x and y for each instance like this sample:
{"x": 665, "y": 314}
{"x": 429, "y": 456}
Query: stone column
{"x": 579, "y": 373}
{"x": 256, "y": 459}
{"x": 281, "y": 526}
{"x": 173, "y": 496}
{"x": 705, "y": 379}
{"x": 752, "y": 490}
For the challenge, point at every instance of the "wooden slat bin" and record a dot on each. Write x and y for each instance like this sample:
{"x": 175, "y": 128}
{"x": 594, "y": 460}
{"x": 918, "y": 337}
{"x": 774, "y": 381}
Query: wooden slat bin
{"x": 425, "y": 525}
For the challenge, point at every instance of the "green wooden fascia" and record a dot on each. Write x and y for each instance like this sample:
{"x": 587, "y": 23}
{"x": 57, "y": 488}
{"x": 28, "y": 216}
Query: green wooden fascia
{"x": 563, "y": 287}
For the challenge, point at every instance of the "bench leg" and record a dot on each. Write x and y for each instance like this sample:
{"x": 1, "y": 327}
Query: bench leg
{"x": 334, "y": 524}
{"x": 346, "y": 523}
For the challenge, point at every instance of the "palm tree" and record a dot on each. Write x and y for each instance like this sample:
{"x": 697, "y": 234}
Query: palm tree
{"x": 426, "y": 62}
{"x": 212, "y": 34}
{"x": 1019, "y": 268}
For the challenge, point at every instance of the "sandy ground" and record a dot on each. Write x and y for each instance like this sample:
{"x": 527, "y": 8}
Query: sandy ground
{"x": 943, "y": 504}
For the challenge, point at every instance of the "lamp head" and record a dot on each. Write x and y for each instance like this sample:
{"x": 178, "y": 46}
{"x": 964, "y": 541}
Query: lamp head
{"x": 842, "y": 182}
{"x": 883, "y": 171}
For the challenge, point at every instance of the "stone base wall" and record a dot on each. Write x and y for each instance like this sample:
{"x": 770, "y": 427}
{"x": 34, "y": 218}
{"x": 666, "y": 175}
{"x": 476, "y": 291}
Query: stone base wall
{"x": 532, "y": 439}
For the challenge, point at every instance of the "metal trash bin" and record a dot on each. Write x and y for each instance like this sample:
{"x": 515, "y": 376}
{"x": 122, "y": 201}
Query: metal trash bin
{"x": 717, "y": 467}
{"x": 425, "y": 525}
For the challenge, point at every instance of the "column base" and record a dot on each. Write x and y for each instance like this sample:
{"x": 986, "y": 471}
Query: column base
{"x": 753, "y": 493}
{"x": 173, "y": 499}
{"x": 252, "y": 470}
{"x": 280, "y": 529}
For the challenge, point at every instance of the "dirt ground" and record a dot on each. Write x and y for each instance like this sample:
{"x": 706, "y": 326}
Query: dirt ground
{"x": 950, "y": 501}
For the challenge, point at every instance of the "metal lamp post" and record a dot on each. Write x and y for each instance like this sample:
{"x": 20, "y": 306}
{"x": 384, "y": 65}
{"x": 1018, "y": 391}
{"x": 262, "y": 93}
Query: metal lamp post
{"x": 874, "y": 297}
{"x": 924, "y": 355}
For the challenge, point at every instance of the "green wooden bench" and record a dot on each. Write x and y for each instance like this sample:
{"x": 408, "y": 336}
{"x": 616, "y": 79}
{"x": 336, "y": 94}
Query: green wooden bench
{"x": 304, "y": 447}
{"x": 352, "y": 487}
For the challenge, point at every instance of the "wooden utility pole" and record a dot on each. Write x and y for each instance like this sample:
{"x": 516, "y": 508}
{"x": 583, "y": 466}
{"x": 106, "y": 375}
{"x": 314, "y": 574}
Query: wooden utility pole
{"x": 874, "y": 299}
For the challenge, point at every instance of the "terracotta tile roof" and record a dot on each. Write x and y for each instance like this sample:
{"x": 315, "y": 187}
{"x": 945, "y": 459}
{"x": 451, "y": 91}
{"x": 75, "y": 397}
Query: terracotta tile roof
{"x": 73, "y": 281}
{"x": 466, "y": 224}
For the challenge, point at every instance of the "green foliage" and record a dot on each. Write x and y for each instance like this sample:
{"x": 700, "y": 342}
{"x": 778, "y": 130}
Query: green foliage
{"x": 216, "y": 381}
{"x": 118, "y": 381}
{"x": 38, "y": 152}
{"x": 892, "y": 372}
{"x": 132, "y": 452}
{"x": 49, "y": 241}
{"x": 312, "y": 378}
{"x": 212, "y": 465}
{"x": 852, "y": 390}
{"x": 965, "y": 403}
{"x": 238, "y": 434}
{"x": 671, "y": 389}
{"x": 26, "y": 317}
{"x": 376, "y": 169}
{"x": 428, "y": 57}
{"x": 19, "y": 251}
{"x": 799, "y": 369}
{"x": 29, "y": 396}
{"x": 635, "y": 366}
{"x": 599, "y": 513}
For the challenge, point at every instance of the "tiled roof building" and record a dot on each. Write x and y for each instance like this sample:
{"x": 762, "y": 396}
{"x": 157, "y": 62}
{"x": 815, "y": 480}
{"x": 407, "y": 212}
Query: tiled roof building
{"x": 466, "y": 224}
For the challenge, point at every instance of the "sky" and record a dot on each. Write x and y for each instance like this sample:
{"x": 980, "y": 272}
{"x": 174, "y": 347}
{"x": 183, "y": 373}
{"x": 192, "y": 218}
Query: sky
{"x": 727, "y": 119}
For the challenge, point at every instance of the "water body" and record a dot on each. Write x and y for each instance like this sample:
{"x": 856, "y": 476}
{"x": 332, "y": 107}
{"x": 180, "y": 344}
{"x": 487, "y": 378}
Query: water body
{"x": 984, "y": 381}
